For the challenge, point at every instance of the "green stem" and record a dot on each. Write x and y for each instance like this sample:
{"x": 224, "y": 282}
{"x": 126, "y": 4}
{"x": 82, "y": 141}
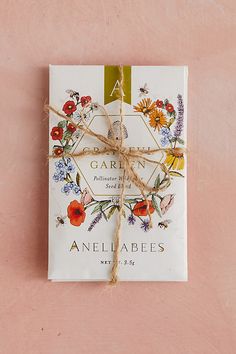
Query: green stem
{"x": 132, "y": 212}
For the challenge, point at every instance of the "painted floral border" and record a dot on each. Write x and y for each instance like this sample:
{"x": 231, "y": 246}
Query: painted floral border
{"x": 162, "y": 117}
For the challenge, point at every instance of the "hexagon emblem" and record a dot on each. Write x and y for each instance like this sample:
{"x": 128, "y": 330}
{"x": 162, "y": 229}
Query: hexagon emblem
{"x": 103, "y": 173}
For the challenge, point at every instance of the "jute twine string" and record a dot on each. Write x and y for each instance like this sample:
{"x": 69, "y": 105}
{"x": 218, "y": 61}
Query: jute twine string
{"x": 127, "y": 157}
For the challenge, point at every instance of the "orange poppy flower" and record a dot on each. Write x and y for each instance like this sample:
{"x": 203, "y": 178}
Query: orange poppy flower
{"x": 145, "y": 106}
{"x": 140, "y": 208}
{"x": 76, "y": 213}
{"x": 157, "y": 119}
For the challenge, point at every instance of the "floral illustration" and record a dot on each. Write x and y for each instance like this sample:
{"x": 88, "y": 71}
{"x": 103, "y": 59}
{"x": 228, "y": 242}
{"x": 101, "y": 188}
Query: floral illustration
{"x": 166, "y": 202}
{"x": 140, "y": 209}
{"x": 175, "y": 159}
{"x": 76, "y": 213}
{"x": 157, "y": 119}
{"x": 145, "y": 106}
{"x": 166, "y": 121}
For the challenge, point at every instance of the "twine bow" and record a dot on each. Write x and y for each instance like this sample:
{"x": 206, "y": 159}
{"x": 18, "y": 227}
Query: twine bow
{"x": 126, "y": 156}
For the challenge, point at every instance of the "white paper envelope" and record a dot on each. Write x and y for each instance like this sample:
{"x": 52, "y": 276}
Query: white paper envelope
{"x": 84, "y": 191}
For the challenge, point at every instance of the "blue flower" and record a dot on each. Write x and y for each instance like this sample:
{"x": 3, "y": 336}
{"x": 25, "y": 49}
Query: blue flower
{"x": 70, "y": 168}
{"x": 131, "y": 219}
{"x": 164, "y": 141}
{"x": 60, "y": 165}
{"x": 145, "y": 225}
{"x": 56, "y": 177}
{"x": 166, "y": 136}
{"x": 76, "y": 190}
{"x": 62, "y": 175}
{"x": 59, "y": 176}
{"x": 65, "y": 165}
{"x": 66, "y": 189}
{"x": 165, "y": 132}
{"x": 71, "y": 186}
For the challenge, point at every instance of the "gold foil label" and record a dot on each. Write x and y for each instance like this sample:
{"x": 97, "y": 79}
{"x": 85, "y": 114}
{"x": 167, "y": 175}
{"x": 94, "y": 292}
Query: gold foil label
{"x": 112, "y": 84}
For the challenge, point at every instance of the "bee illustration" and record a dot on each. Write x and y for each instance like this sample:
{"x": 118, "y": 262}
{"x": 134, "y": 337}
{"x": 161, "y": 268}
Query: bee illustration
{"x": 73, "y": 93}
{"x": 117, "y": 131}
{"x": 143, "y": 90}
{"x": 60, "y": 220}
{"x": 164, "y": 224}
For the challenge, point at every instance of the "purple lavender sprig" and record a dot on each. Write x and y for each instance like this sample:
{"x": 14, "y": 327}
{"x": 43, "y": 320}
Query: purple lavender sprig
{"x": 145, "y": 225}
{"x": 131, "y": 219}
{"x": 95, "y": 221}
{"x": 180, "y": 118}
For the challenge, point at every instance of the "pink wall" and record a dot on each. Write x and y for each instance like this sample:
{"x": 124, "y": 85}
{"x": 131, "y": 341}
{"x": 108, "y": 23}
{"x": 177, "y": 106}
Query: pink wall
{"x": 141, "y": 318}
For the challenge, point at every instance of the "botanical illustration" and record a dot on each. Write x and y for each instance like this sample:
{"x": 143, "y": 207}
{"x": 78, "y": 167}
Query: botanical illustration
{"x": 167, "y": 123}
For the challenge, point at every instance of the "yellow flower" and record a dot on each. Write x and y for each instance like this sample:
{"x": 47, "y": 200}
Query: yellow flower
{"x": 175, "y": 159}
{"x": 157, "y": 119}
{"x": 145, "y": 106}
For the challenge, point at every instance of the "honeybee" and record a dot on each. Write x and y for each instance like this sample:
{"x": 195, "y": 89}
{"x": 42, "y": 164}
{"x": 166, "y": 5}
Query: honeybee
{"x": 143, "y": 90}
{"x": 60, "y": 220}
{"x": 164, "y": 224}
{"x": 73, "y": 93}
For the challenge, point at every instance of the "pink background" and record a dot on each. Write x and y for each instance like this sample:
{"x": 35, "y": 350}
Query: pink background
{"x": 142, "y": 318}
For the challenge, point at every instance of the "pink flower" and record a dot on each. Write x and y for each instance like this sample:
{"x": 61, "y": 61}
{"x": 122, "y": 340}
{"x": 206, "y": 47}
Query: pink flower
{"x": 166, "y": 202}
{"x": 86, "y": 197}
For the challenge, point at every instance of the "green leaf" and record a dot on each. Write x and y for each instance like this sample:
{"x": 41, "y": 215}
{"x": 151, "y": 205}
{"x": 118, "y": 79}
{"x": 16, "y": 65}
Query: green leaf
{"x": 181, "y": 141}
{"x": 104, "y": 215}
{"x": 154, "y": 203}
{"x": 157, "y": 182}
{"x": 111, "y": 211}
{"x": 171, "y": 121}
{"x": 176, "y": 174}
{"x": 62, "y": 124}
{"x": 67, "y": 135}
{"x": 67, "y": 148}
{"x": 130, "y": 201}
{"x": 100, "y": 206}
{"x": 78, "y": 178}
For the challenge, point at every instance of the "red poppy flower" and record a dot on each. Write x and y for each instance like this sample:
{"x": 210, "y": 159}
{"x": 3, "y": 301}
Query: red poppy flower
{"x": 58, "y": 151}
{"x": 169, "y": 107}
{"x": 76, "y": 213}
{"x": 71, "y": 127}
{"x": 69, "y": 107}
{"x": 85, "y": 100}
{"x": 159, "y": 103}
{"x": 140, "y": 208}
{"x": 56, "y": 133}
